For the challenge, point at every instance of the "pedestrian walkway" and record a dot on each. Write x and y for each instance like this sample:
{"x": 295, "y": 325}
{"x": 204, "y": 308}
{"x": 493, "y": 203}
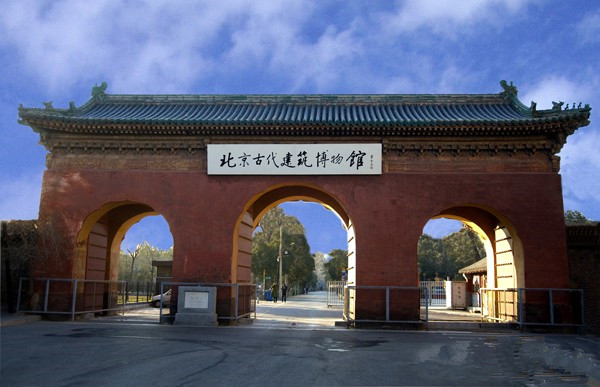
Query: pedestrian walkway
{"x": 305, "y": 310}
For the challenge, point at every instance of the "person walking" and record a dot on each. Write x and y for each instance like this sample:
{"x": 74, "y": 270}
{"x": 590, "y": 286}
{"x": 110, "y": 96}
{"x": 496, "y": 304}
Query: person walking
{"x": 284, "y": 290}
{"x": 274, "y": 292}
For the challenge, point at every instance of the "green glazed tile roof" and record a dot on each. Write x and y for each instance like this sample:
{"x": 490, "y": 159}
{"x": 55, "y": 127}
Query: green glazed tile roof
{"x": 335, "y": 110}
{"x": 225, "y": 112}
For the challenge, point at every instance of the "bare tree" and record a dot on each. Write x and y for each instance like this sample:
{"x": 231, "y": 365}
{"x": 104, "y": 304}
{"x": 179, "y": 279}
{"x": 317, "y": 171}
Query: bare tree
{"x": 29, "y": 246}
{"x": 133, "y": 254}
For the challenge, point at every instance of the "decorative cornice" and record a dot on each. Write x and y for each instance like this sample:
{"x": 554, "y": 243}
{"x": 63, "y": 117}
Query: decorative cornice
{"x": 471, "y": 148}
{"x": 306, "y": 129}
{"x": 112, "y": 146}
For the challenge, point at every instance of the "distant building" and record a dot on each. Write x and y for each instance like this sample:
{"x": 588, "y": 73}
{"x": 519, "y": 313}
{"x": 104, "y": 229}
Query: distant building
{"x": 320, "y": 269}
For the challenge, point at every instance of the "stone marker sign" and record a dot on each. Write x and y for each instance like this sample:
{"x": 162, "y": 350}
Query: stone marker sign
{"x": 196, "y": 305}
{"x": 196, "y": 300}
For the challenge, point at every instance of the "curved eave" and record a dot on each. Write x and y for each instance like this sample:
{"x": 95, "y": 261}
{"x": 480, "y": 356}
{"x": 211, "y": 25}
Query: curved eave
{"x": 455, "y": 128}
{"x": 38, "y": 115}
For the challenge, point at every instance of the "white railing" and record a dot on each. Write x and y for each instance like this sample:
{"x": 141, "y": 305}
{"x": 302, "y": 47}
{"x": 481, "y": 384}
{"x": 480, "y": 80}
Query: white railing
{"x": 433, "y": 293}
{"x": 335, "y": 293}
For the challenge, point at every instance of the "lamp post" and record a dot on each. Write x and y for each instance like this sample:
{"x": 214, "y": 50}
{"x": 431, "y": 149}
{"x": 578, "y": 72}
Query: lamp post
{"x": 280, "y": 257}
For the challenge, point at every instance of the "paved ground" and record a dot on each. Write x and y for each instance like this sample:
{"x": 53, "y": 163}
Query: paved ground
{"x": 305, "y": 311}
{"x": 287, "y": 349}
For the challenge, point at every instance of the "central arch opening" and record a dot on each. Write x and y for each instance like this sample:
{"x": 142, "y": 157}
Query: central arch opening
{"x": 271, "y": 248}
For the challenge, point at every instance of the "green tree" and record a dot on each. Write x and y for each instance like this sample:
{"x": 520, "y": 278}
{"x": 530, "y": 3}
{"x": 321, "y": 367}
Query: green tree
{"x": 429, "y": 257}
{"x": 576, "y": 217}
{"x": 461, "y": 249}
{"x": 336, "y": 265}
{"x": 298, "y": 263}
{"x": 135, "y": 265}
{"x": 444, "y": 257}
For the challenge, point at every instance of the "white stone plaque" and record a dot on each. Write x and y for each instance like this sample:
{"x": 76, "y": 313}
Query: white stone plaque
{"x": 294, "y": 159}
{"x": 196, "y": 300}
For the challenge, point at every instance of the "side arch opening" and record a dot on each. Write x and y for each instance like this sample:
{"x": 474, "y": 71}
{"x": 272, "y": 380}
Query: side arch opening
{"x": 98, "y": 249}
{"x": 502, "y": 266}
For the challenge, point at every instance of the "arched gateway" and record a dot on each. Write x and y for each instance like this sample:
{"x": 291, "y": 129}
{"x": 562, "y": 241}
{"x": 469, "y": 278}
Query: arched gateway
{"x": 212, "y": 164}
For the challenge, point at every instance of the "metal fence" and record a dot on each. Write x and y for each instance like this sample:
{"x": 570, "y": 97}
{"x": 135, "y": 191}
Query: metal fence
{"x": 242, "y": 299}
{"x": 433, "y": 293}
{"x": 335, "y": 293}
{"x": 499, "y": 304}
{"x": 139, "y": 292}
{"x": 564, "y": 307}
{"x": 69, "y": 296}
{"x": 394, "y": 303}
{"x": 534, "y": 306}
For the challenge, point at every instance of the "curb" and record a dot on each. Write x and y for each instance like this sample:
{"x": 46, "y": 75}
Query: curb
{"x": 18, "y": 319}
{"x": 470, "y": 326}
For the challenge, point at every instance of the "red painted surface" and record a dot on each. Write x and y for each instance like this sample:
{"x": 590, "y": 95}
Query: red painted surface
{"x": 388, "y": 212}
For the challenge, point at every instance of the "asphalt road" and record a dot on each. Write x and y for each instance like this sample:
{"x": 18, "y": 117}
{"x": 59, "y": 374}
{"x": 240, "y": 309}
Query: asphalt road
{"x": 139, "y": 352}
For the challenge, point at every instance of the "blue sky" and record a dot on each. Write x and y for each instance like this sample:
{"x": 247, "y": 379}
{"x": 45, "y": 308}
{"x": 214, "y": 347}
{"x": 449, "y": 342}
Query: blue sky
{"x": 57, "y": 50}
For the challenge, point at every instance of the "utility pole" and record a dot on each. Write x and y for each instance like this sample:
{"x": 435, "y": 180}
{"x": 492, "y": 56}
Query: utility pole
{"x": 264, "y": 283}
{"x": 280, "y": 255}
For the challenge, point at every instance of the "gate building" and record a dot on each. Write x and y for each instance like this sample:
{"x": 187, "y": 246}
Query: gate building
{"x": 212, "y": 165}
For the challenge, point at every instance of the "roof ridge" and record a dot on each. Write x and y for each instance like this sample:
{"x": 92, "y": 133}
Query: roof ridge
{"x": 302, "y": 98}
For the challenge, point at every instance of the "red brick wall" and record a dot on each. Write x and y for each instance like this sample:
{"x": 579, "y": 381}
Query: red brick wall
{"x": 388, "y": 212}
{"x": 584, "y": 270}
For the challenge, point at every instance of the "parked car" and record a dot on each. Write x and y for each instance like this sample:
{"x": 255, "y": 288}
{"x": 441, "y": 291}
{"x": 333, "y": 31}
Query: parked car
{"x": 166, "y": 299}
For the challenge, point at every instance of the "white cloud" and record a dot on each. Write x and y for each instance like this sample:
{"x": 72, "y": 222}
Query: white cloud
{"x": 394, "y": 85}
{"x": 275, "y": 40}
{"x": 557, "y": 88}
{"x": 330, "y": 59}
{"x": 450, "y": 79}
{"x": 448, "y": 17}
{"x": 580, "y": 170}
{"x": 154, "y": 47}
{"x": 143, "y": 46}
{"x": 20, "y": 197}
{"x": 580, "y": 159}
